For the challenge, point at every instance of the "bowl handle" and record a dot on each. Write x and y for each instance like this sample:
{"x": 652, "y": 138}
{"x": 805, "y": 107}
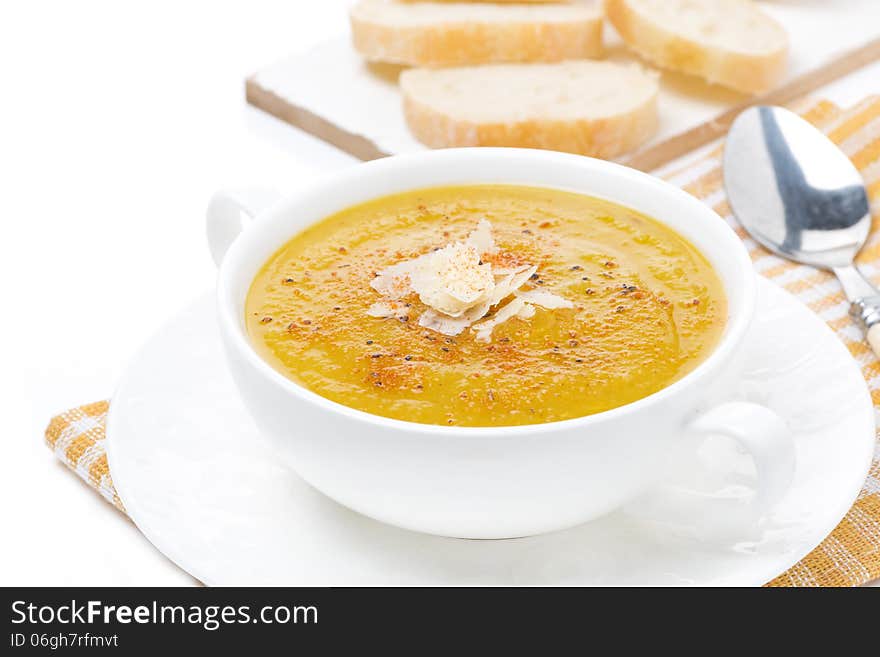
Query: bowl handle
{"x": 682, "y": 504}
{"x": 762, "y": 433}
{"x": 230, "y": 211}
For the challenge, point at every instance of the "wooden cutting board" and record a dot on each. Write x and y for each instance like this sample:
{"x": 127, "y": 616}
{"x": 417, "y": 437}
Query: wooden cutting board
{"x": 333, "y": 94}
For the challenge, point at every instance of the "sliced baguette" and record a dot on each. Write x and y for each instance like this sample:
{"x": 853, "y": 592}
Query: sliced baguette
{"x": 727, "y": 42}
{"x": 438, "y": 34}
{"x": 593, "y": 108}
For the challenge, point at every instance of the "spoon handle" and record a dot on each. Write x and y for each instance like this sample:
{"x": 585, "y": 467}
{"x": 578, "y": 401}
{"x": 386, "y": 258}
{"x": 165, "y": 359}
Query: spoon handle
{"x": 867, "y": 311}
{"x": 865, "y": 299}
{"x": 874, "y": 339}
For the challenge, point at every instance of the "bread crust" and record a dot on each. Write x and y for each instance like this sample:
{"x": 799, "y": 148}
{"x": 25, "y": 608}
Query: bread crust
{"x": 604, "y": 138}
{"x": 750, "y": 73}
{"x": 461, "y": 43}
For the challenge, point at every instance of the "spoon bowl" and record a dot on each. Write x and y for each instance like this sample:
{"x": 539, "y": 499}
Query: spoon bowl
{"x": 800, "y": 196}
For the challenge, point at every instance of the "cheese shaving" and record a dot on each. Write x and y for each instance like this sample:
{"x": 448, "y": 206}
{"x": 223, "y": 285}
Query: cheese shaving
{"x": 481, "y": 238}
{"x": 453, "y": 279}
{"x": 484, "y": 329}
{"x": 526, "y": 312}
{"x": 513, "y": 281}
{"x": 459, "y": 287}
{"x": 444, "y": 324}
{"x": 388, "y": 308}
{"x": 545, "y": 299}
{"x": 394, "y": 282}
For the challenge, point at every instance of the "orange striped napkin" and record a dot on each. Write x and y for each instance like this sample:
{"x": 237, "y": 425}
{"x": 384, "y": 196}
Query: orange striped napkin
{"x": 851, "y": 554}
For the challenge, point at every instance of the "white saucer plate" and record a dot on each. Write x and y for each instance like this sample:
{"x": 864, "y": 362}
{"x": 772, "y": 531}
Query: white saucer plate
{"x": 197, "y": 479}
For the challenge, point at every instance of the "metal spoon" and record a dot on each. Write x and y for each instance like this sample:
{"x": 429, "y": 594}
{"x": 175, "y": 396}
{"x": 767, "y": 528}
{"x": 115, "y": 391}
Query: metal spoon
{"x": 800, "y": 196}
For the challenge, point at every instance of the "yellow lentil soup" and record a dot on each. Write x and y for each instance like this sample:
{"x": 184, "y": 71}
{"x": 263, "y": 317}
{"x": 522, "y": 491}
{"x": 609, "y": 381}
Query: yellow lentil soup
{"x": 645, "y": 309}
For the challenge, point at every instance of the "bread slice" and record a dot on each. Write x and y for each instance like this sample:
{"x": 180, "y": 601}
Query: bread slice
{"x": 593, "y": 108}
{"x": 728, "y": 42}
{"x": 438, "y": 34}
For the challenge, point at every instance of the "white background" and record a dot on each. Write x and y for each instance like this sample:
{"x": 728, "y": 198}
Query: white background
{"x": 117, "y": 122}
